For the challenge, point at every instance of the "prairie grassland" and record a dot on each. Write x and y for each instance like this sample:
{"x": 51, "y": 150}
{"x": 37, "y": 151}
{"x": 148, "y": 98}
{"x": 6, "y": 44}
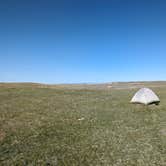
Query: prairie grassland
{"x": 57, "y": 126}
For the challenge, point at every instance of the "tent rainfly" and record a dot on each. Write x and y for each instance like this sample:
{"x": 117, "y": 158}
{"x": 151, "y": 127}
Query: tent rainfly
{"x": 145, "y": 96}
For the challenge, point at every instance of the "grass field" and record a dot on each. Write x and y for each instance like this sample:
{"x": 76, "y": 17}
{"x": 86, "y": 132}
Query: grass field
{"x": 70, "y": 127}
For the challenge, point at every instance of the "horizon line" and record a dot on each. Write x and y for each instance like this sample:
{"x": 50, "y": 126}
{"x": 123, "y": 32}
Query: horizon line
{"x": 78, "y": 83}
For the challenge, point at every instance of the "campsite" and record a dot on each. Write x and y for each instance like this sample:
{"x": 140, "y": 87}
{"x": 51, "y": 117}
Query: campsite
{"x": 82, "y": 82}
{"x": 81, "y": 125}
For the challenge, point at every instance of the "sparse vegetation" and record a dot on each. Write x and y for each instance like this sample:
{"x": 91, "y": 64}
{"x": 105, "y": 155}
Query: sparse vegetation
{"x": 57, "y": 126}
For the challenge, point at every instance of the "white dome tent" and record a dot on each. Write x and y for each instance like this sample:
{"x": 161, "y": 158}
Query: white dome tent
{"x": 145, "y": 96}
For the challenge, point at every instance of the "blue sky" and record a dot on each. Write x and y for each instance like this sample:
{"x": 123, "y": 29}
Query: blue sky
{"x": 74, "y": 41}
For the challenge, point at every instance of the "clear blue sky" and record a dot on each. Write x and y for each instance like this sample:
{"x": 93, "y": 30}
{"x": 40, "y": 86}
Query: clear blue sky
{"x": 73, "y": 41}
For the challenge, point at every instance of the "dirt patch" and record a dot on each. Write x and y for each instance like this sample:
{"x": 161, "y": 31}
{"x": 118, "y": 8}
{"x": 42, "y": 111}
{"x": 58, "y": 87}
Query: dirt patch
{"x": 163, "y": 132}
{"x": 2, "y": 135}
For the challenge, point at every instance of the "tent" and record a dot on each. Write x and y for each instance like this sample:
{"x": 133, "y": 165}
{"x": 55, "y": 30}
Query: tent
{"x": 145, "y": 96}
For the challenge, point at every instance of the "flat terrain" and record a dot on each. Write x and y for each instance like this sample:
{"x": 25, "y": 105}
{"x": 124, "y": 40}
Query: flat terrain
{"x": 81, "y": 125}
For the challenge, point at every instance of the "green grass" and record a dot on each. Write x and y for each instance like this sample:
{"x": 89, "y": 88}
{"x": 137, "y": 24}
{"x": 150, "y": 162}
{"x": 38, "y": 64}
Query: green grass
{"x": 41, "y": 126}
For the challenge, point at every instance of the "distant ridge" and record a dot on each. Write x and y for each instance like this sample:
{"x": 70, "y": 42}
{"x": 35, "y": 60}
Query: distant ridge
{"x": 113, "y": 85}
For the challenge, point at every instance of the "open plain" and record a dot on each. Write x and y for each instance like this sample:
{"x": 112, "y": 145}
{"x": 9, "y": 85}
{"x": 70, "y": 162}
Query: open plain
{"x": 81, "y": 124}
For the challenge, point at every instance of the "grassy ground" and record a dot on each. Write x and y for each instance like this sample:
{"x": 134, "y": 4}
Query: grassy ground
{"x": 42, "y": 126}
